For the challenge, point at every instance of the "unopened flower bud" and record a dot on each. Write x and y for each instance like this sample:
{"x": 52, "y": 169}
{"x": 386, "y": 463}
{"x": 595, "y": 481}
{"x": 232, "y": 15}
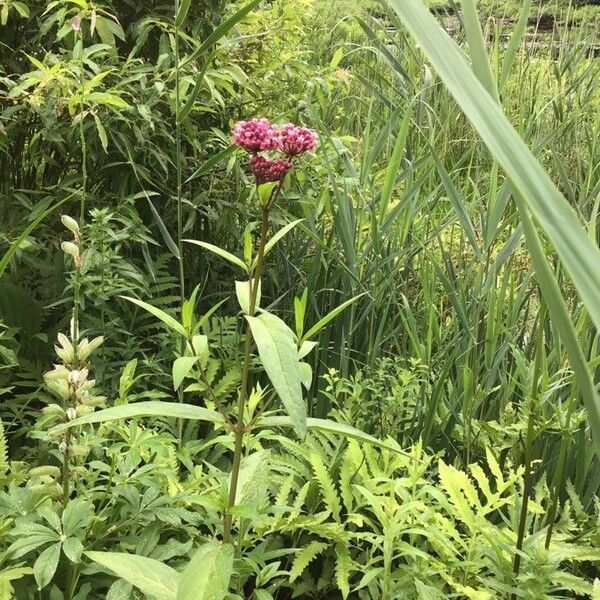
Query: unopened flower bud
{"x": 45, "y": 471}
{"x": 93, "y": 401}
{"x": 49, "y": 489}
{"x": 70, "y": 248}
{"x": 83, "y": 410}
{"x": 62, "y": 447}
{"x": 85, "y": 348}
{"x": 79, "y": 450}
{"x": 71, "y": 224}
{"x": 53, "y": 409}
{"x": 59, "y": 373}
{"x": 74, "y": 377}
{"x": 71, "y": 414}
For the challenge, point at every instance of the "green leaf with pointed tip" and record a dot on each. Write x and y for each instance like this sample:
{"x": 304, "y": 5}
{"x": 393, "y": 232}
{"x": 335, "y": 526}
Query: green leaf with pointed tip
{"x": 181, "y": 368}
{"x": 208, "y": 574}
{"x": 182, "y": 11}
{"x": 279, "y": 356}
{"x": 238, "y": 262}
{"x": 169, "y": 241}
{"x": 278, "y": 236}
{"x": 220, "y": 31}
{"x": 151, "y": 408}
{"x": 7, "y": 256}
{"x": 329, "y": 317}
{"x": 160, "y": 314}
{"x": 46, "y": 564}
{"x": 148, "y": 575}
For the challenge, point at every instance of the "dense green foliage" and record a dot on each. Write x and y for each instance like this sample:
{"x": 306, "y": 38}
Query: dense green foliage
{"x": 373, "y": 379}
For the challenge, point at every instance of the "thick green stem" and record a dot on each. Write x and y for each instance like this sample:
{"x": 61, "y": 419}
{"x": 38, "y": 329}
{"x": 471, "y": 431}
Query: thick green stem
{"x": 240, "y": 427}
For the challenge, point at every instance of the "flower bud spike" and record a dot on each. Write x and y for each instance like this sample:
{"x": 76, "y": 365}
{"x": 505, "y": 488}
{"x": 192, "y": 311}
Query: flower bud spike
{"x": 71, "y": 224}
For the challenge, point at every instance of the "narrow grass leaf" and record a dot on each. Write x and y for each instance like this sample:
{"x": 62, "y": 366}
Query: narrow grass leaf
{"x": 580, "y": 256}
{"x": 168, "y": 320}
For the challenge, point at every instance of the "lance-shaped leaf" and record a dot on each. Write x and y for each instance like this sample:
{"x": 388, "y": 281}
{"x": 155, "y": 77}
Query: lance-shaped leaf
{"x": 148, "y": 575}
{"x": 208, "y": 574}
{"x": 160, "y": 314}
{"x": 151, "y": 408}
{"x": 279, "y": 355}
{"x": 238, "y": 262}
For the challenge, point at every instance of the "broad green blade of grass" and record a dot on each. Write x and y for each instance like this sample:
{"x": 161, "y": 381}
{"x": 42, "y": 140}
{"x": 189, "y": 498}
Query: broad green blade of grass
{"x": 479, "y": 59}
{"x": 580, "y": 256}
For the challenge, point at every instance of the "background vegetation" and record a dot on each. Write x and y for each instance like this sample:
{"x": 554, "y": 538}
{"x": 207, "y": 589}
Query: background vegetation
{"x": 487, "y": 486}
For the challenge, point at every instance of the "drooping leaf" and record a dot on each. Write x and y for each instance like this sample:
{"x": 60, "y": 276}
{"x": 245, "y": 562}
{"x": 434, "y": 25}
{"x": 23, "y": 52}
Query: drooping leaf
{"x": 7, "y": 256}
{"x": 146, "y": 409}
{"x": 220, "y": 252}
{"x": 342, "y": 429}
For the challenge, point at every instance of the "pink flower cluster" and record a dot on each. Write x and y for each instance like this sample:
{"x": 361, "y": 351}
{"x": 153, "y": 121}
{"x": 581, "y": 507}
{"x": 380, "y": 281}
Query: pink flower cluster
{"x": 268, "y": 169}
{"x": 256, "y": 135}
{"x": 294, "y": 140}
{"x": 259, "y": 135}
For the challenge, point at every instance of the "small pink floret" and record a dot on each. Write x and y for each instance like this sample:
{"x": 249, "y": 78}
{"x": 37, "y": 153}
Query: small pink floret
{"x": 256, "y": 135}
{"x": 295, "y": 140}
{"x": 267, "y": 169}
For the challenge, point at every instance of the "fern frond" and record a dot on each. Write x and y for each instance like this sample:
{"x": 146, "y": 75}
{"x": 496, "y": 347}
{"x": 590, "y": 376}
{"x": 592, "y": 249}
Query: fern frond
{"x": 305, "y": 557}
{"x": 343, "y": 566}
{"x": 352, "y": 461}
{"x": 330, "y": 494}
{"x": 228, "y": 383}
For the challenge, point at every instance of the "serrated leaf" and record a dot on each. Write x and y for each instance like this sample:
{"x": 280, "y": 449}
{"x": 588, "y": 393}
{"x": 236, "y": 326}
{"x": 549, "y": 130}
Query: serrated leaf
{"x": 330, "y": 493}
{"x": 343, "y": 566}
{"x": 305, "y": 557}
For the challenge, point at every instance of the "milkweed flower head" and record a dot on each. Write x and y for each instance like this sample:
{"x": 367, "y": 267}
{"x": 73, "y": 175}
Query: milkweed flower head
{"x": 256, "y": 135}
{"x": 259, "y": 135}
{"x": 295, "y": 140}
{"x": 267, "y": 169}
